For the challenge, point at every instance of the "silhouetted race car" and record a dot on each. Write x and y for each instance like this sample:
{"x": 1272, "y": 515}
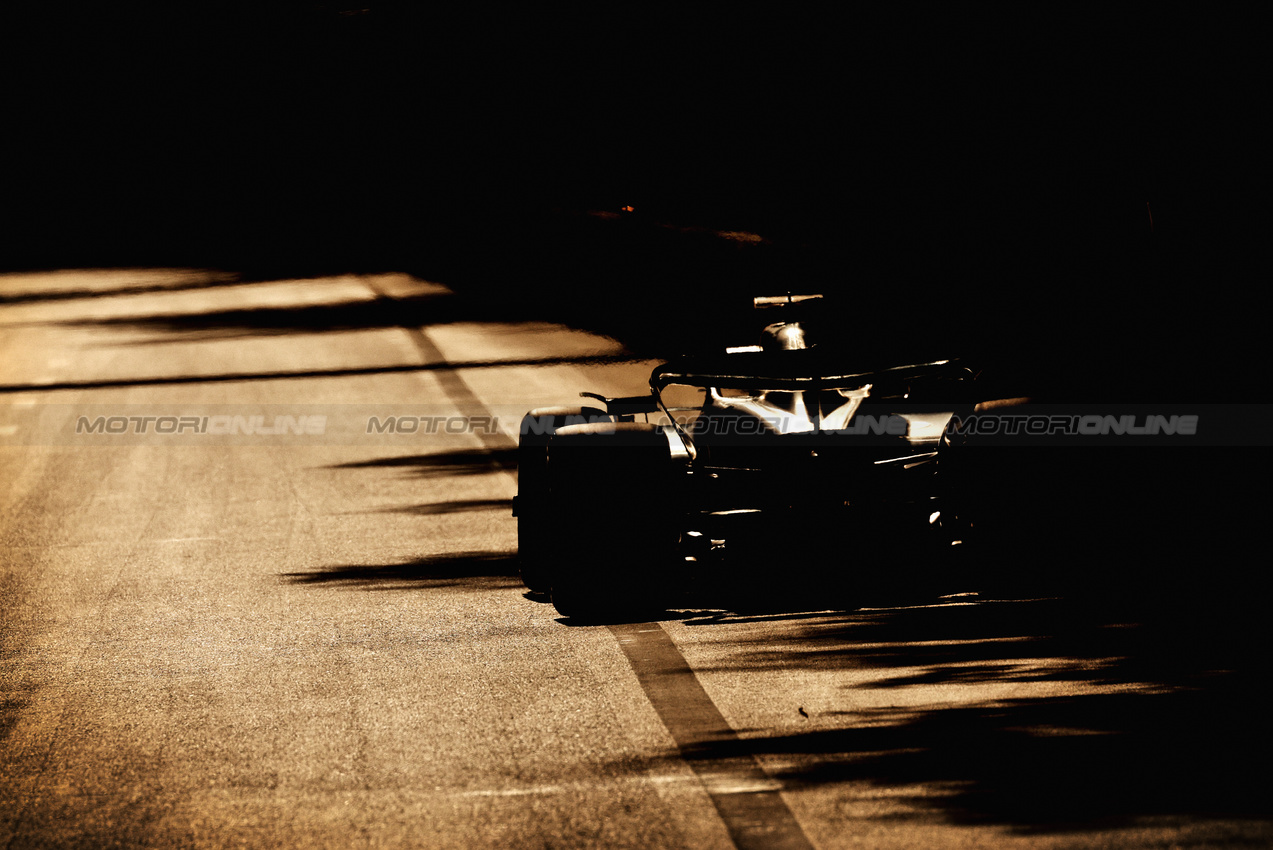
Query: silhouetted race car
{"x": 735, "y": 470}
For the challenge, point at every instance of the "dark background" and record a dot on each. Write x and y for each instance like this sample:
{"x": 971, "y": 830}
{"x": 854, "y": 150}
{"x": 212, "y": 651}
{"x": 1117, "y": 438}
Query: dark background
{"x": 980, "y": 182}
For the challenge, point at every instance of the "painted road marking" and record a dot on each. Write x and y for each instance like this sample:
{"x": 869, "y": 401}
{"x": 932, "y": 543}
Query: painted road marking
{"x": 747, "y": 798}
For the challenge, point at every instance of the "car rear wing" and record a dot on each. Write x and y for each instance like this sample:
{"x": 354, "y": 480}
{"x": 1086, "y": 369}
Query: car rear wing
{"x": 761, "y": 302}
{"x": 762, "y": 374}
{"x": 626, "y": 407}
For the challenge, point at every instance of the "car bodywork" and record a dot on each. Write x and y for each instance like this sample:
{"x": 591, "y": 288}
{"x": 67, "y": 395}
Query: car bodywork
{"x": 733, "y": 470}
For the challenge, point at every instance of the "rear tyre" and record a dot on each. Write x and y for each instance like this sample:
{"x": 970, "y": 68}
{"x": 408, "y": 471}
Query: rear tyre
{"x": 616, "y": 550}
{"x": 536, "y": 522}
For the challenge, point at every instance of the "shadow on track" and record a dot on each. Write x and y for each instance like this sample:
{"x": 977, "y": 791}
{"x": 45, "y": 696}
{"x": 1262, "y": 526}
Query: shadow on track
{"x": 471, "y": 571}
{"x": 439, "y": 464}
{"x": 343, "y": 316}
{"x": 1098, "y": 761}
{"x": 183, "y": 280}
{"x": 305, "y": 373}
{"x": 1095, "y": 718}
{"x": 454, "y": 507}
{"x": 649, "y": 284}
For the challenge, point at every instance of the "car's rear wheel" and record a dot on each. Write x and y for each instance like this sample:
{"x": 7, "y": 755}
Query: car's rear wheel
{"x": 617, "y": 545}
{"x": 536, "y": 522}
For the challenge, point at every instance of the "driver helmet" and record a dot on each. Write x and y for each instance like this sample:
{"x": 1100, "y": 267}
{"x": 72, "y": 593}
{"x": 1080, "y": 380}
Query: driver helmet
{"x": 783, "y": 336}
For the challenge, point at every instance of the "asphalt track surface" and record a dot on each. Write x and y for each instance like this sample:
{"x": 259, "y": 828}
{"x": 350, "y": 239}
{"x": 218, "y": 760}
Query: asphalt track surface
{"x": 313, "y": 635}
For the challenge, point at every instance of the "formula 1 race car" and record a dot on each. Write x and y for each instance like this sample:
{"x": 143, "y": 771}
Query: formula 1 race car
{"x": 735, "y": 470}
